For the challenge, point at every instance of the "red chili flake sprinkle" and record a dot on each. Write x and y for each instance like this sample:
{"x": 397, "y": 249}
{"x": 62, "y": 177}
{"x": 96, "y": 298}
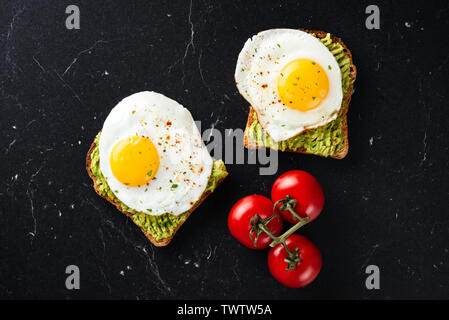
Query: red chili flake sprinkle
{"x": 134, "y": 111}
{"x": 168, "y": 123}
{"x": 265, "y": 86}
{"x": 168, "y": 137}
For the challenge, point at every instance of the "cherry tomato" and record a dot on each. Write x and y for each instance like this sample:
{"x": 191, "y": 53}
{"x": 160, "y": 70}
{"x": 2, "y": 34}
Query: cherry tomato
{"x": 305, "y": 271}
{"x": 239, "y": 220}
{"x": 302, "y": 187}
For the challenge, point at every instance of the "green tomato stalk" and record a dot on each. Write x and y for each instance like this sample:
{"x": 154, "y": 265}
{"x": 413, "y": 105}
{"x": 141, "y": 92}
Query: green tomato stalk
{"x": 259, "y": 225}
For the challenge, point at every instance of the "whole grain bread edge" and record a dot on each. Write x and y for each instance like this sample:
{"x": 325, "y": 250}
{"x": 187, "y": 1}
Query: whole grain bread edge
{"x": 157, "y": 243}
{"x": 343, "y": 151}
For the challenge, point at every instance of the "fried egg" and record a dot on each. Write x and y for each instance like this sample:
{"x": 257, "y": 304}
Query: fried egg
{"x": 152, "y": 155}
{"x": 291, "y": 80}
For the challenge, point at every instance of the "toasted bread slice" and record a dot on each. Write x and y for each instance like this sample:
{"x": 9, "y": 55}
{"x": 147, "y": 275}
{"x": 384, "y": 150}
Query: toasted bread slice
{"x": 117, "y": 203}
{"x": 343, "y": 150}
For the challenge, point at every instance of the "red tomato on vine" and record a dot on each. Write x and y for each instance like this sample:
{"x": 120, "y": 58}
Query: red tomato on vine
{"x": 250, "y": 210}
{"x": 298, "y": 193}
{"x": 298, "y": 266}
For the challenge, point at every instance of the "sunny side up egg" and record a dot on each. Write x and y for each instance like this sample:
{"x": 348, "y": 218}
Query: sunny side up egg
{"x": 152, "y": 155}
{"x": 291, "y": 80}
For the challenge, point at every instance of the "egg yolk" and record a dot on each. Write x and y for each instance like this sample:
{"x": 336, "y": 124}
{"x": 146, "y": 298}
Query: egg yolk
{"x": 134, "y": 161}
{"x": 303, "y": 84}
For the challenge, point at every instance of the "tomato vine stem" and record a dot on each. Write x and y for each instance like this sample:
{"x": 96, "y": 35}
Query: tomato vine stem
{"x": 289, "y": 232}
{"x": 292, "y": 257}
{"x": 259, "y": 225}
{"x": 288, "y": 204}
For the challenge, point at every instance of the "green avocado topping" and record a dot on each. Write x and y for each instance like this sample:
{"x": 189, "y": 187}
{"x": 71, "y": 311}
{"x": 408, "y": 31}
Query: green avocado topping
{"x": 324, "y": 141}
{"x": 161, "y": 226}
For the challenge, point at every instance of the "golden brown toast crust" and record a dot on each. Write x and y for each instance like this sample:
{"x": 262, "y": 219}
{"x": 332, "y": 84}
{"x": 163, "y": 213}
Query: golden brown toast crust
{"x": 157, "y": 243}
{"x": 340, "y": 154}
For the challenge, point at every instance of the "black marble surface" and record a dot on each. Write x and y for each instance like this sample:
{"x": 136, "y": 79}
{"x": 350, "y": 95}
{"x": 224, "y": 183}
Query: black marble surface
{"x": 386, "y": 202}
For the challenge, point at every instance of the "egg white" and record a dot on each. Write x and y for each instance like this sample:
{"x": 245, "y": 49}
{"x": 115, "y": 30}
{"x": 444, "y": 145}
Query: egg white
{"x": 185, "y": 165}
{"x": 258, "y": 67}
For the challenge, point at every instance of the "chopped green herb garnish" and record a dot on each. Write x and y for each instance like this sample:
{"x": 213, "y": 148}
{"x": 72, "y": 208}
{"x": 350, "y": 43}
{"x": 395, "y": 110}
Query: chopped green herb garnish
{"x": 150, "y": 173}
{"x": 278, "y": 45}
{"x": 329, "y": 67}
{"x": 174, "y": 185}
{"x": 149, "y": 210}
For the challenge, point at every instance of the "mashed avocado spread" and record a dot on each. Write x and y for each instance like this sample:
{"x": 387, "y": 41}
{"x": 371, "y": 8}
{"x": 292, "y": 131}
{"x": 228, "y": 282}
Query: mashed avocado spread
{"x": 324, "y": 141}
{"x": 162, "y": 226}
